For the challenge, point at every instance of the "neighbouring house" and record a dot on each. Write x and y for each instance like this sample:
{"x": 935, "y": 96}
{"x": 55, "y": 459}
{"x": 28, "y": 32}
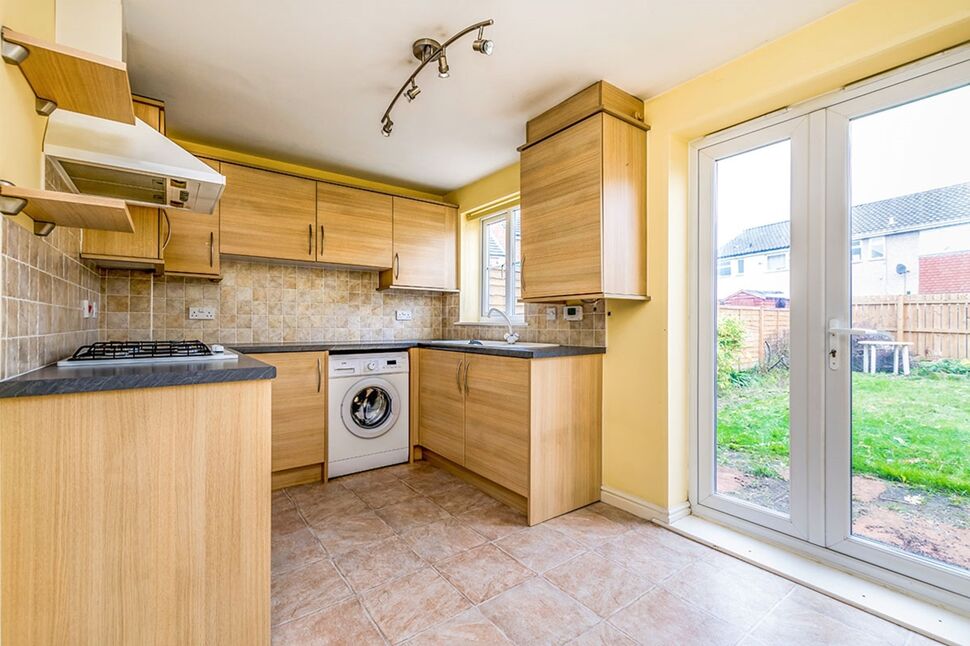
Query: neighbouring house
{"x": 910, "y": 244}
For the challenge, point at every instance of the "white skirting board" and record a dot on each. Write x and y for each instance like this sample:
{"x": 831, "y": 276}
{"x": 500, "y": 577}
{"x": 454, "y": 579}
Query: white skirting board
{"x": 642, "y": 508}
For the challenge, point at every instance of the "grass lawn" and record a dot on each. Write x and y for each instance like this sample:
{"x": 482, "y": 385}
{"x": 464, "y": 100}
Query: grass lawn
{"x": 912, "y": 429}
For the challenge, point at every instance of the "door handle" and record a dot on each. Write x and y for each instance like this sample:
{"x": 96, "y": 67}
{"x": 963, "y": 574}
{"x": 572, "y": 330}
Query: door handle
{"x": 458, "y": 375}
{"x": 319, "y": 374}
{"x": 212, "y": 242}
{"x": 309, "y": 239}
{"x": 467, "y": 368}
{"x": 397, "y": 266}
{"x": 837, "y": 330}
{"x": 168, "y": 223}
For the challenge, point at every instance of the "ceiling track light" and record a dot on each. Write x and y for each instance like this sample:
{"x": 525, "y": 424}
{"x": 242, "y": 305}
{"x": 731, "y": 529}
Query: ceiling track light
{"x": 428, "y": 50}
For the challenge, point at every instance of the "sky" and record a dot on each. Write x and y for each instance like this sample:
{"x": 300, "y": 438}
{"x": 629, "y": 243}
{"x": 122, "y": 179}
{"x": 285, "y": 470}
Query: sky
{"x": 906, "y": 149}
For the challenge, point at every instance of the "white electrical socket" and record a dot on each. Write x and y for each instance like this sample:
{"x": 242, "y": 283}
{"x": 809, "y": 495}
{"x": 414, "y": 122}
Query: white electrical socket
{"x": 550, "y": 313}
{"x": 402, "y": 315}
{"x": 89, "y": 309}
{"x": 202, "y": 313}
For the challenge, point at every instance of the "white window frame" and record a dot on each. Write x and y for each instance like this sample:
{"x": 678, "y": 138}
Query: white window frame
{"x": 869, "y": 248}
{"x": 511, "y": 254}
{"x": 769, "y": 256}
{"x": 829, "y": 534}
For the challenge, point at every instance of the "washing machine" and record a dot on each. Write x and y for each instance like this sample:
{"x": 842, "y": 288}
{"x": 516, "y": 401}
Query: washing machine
{"x": 368, "y": 412}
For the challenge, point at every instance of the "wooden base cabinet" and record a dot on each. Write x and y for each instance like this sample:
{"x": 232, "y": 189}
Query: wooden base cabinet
{"x": 136, "y": 516}
{"x": 299, "y": 416}
{"x": 531, "y": 426}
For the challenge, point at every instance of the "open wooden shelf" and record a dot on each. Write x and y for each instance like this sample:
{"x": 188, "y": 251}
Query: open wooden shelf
{"x": 71, "y": 79}
{"x": 71, "y": 210}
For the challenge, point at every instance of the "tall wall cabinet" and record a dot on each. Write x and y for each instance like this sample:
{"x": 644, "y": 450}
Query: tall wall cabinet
{"x": 583, "y": 185}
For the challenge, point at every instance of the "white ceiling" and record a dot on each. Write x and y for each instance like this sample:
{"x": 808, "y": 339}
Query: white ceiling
{"x": 307, "y": 81}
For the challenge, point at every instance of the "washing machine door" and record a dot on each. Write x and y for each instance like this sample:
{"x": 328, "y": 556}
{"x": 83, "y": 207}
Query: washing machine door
{"x": 370, "y": 408}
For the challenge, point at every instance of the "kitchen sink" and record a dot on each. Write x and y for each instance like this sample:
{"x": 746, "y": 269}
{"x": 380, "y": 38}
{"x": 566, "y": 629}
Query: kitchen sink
{"x": 493, "y": 344}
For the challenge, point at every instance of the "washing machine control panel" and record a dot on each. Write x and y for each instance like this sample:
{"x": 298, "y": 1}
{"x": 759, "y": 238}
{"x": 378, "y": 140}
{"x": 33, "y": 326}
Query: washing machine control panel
{"x": 355, "y": 364}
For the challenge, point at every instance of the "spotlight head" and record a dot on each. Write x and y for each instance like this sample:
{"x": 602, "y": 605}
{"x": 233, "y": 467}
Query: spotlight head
{"x": 443, "y": 72}
{"x": 412, "y": 92}
{"x": 482, "y": 45}
{"x": 387, "y": 127}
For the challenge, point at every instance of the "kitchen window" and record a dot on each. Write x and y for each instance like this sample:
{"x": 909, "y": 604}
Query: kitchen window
{"x": 501, "y": 281}
{"x": 777, "y": 261}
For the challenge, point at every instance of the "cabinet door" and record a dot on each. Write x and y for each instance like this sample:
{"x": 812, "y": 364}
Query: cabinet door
{"x": 267, "y": 214}
{"x": 143, "y": 245}
{"x": 194, "y": 244}
{"x": 497, "y": 408}
{"x": 441, "y": 406}
{"x": 424, "y": 245}
{"x": 354, "y": 226}
{"x": 561, "y": 202}
{"x": 299, "y": 408}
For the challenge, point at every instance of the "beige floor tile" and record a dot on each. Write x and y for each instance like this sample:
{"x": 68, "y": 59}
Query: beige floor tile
{"x": 461, "y": 498}
{"x": 411, "y": 513}
{"x": 483, "y": 572}
{"x": 295, "y": 549}
{"x": 805, "y": 617}
{"x": 365, "y": 479}
{"x": 617, "y": 515}
{"x": 673, "y": 541}
{"x": 286, "y": 520}
{"x": 587, "y": 527}
{"x": 431, "y": 482}
{"x": 540, "y": 548}
{"x": 660, "y": 618}
{"x": 649, "y": 560}
{"x": 409, "y": 469}
{"x": 343, "y": 533}
{"x": 299, "y": 592}
{"x": 599, "y": 584}
{"x": 319, "y": 511}
{"x": 383, "y": 494}
{"x": 307, "y": 495}
{"x": 739, "y": 593}
{"x": 442, "y": 539}
{"x": 536, "y": 612}
{"x": 343, "y": 624}
{"x": 417, "y": 602}
{"x": 494, "y": 522}
{"x": 602, "y": 634}
{"x": 281, "y": 501}
{"x": 377, "y": 563}
{"x": 469, "y": 628}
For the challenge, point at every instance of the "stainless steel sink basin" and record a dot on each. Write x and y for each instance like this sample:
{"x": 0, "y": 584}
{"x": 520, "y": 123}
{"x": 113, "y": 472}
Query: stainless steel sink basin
{"x": 493, "y": 344}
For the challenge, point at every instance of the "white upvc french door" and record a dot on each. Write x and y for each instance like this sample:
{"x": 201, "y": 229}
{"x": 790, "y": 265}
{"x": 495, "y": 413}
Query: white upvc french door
{"x": 785, "y": 257}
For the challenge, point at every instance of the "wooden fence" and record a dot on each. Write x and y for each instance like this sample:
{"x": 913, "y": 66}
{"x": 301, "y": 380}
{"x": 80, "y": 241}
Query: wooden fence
{"x": 938, "y": 325}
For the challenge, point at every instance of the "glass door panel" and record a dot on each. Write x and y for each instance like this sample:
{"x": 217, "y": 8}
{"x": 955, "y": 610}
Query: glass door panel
{"x": 909, "y": 259}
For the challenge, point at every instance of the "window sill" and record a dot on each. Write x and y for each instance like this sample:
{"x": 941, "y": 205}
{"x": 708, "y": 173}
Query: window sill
{"x": 490, "y": 323}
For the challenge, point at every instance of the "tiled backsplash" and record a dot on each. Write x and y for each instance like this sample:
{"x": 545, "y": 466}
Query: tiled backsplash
{"x": 589, "y": 331}
{"x": 259, "y": 302}
{"x": 42, "y": 288}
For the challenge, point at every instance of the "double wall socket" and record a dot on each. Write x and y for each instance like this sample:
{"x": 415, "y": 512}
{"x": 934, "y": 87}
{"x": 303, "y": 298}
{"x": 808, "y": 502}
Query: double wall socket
{"x": 202, "y": 313}
{"x": 402, "y": 315}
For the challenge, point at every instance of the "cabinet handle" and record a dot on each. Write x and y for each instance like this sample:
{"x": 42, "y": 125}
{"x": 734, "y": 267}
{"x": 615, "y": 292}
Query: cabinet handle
{"x": 168, "y": 223}
{"x": 397, "y": 266}
{"x": 467, "y": 368}
{"x": 458, "y": 375}
{"x": 319, "y": 374}
{"x": 212, "y": 243}
{"x": 323, "y": 238}
{"x": 309, "y": 239}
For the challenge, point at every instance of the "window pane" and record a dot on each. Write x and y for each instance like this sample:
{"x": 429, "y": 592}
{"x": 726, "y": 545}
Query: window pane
{"x": 910, "y": 416}
{"x": 753, "y": 203}
{"x": 495, "y": 266}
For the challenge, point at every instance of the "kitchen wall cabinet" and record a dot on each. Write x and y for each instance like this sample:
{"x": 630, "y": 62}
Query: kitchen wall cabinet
{"x": 193, "y": 248}
{"x": 584, "y": 210}
{"x": 530, "y": 426}
{"x": 267, "y": 215}
{"x": 355, "y": 227}
{"x": 425, "y": 247}
{"x": 142, "y": 249}
{"x": 299, "y": 412}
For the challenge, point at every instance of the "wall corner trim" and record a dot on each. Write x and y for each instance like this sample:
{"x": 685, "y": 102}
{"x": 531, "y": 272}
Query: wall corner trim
{"x": 642, "y": 508}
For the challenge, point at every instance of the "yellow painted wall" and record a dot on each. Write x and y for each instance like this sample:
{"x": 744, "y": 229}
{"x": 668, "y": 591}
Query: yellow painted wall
{"x": 206, "y": 150}
{"x": 645, "y": 442}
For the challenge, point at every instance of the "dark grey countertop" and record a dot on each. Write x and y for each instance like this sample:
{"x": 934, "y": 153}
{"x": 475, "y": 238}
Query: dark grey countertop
{"x": 392, "y": 346}
{"x": 52, "y": 380}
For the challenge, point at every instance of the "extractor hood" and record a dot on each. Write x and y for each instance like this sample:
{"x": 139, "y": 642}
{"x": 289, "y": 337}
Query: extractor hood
{"x": 136, "y": 163}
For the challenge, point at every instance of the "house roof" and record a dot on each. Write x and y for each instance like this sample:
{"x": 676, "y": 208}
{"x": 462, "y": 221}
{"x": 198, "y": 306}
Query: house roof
{"x": 923, "y": 210}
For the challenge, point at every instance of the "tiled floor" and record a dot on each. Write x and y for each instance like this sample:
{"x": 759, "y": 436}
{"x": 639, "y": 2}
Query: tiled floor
{"x": 412, "y": 554}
